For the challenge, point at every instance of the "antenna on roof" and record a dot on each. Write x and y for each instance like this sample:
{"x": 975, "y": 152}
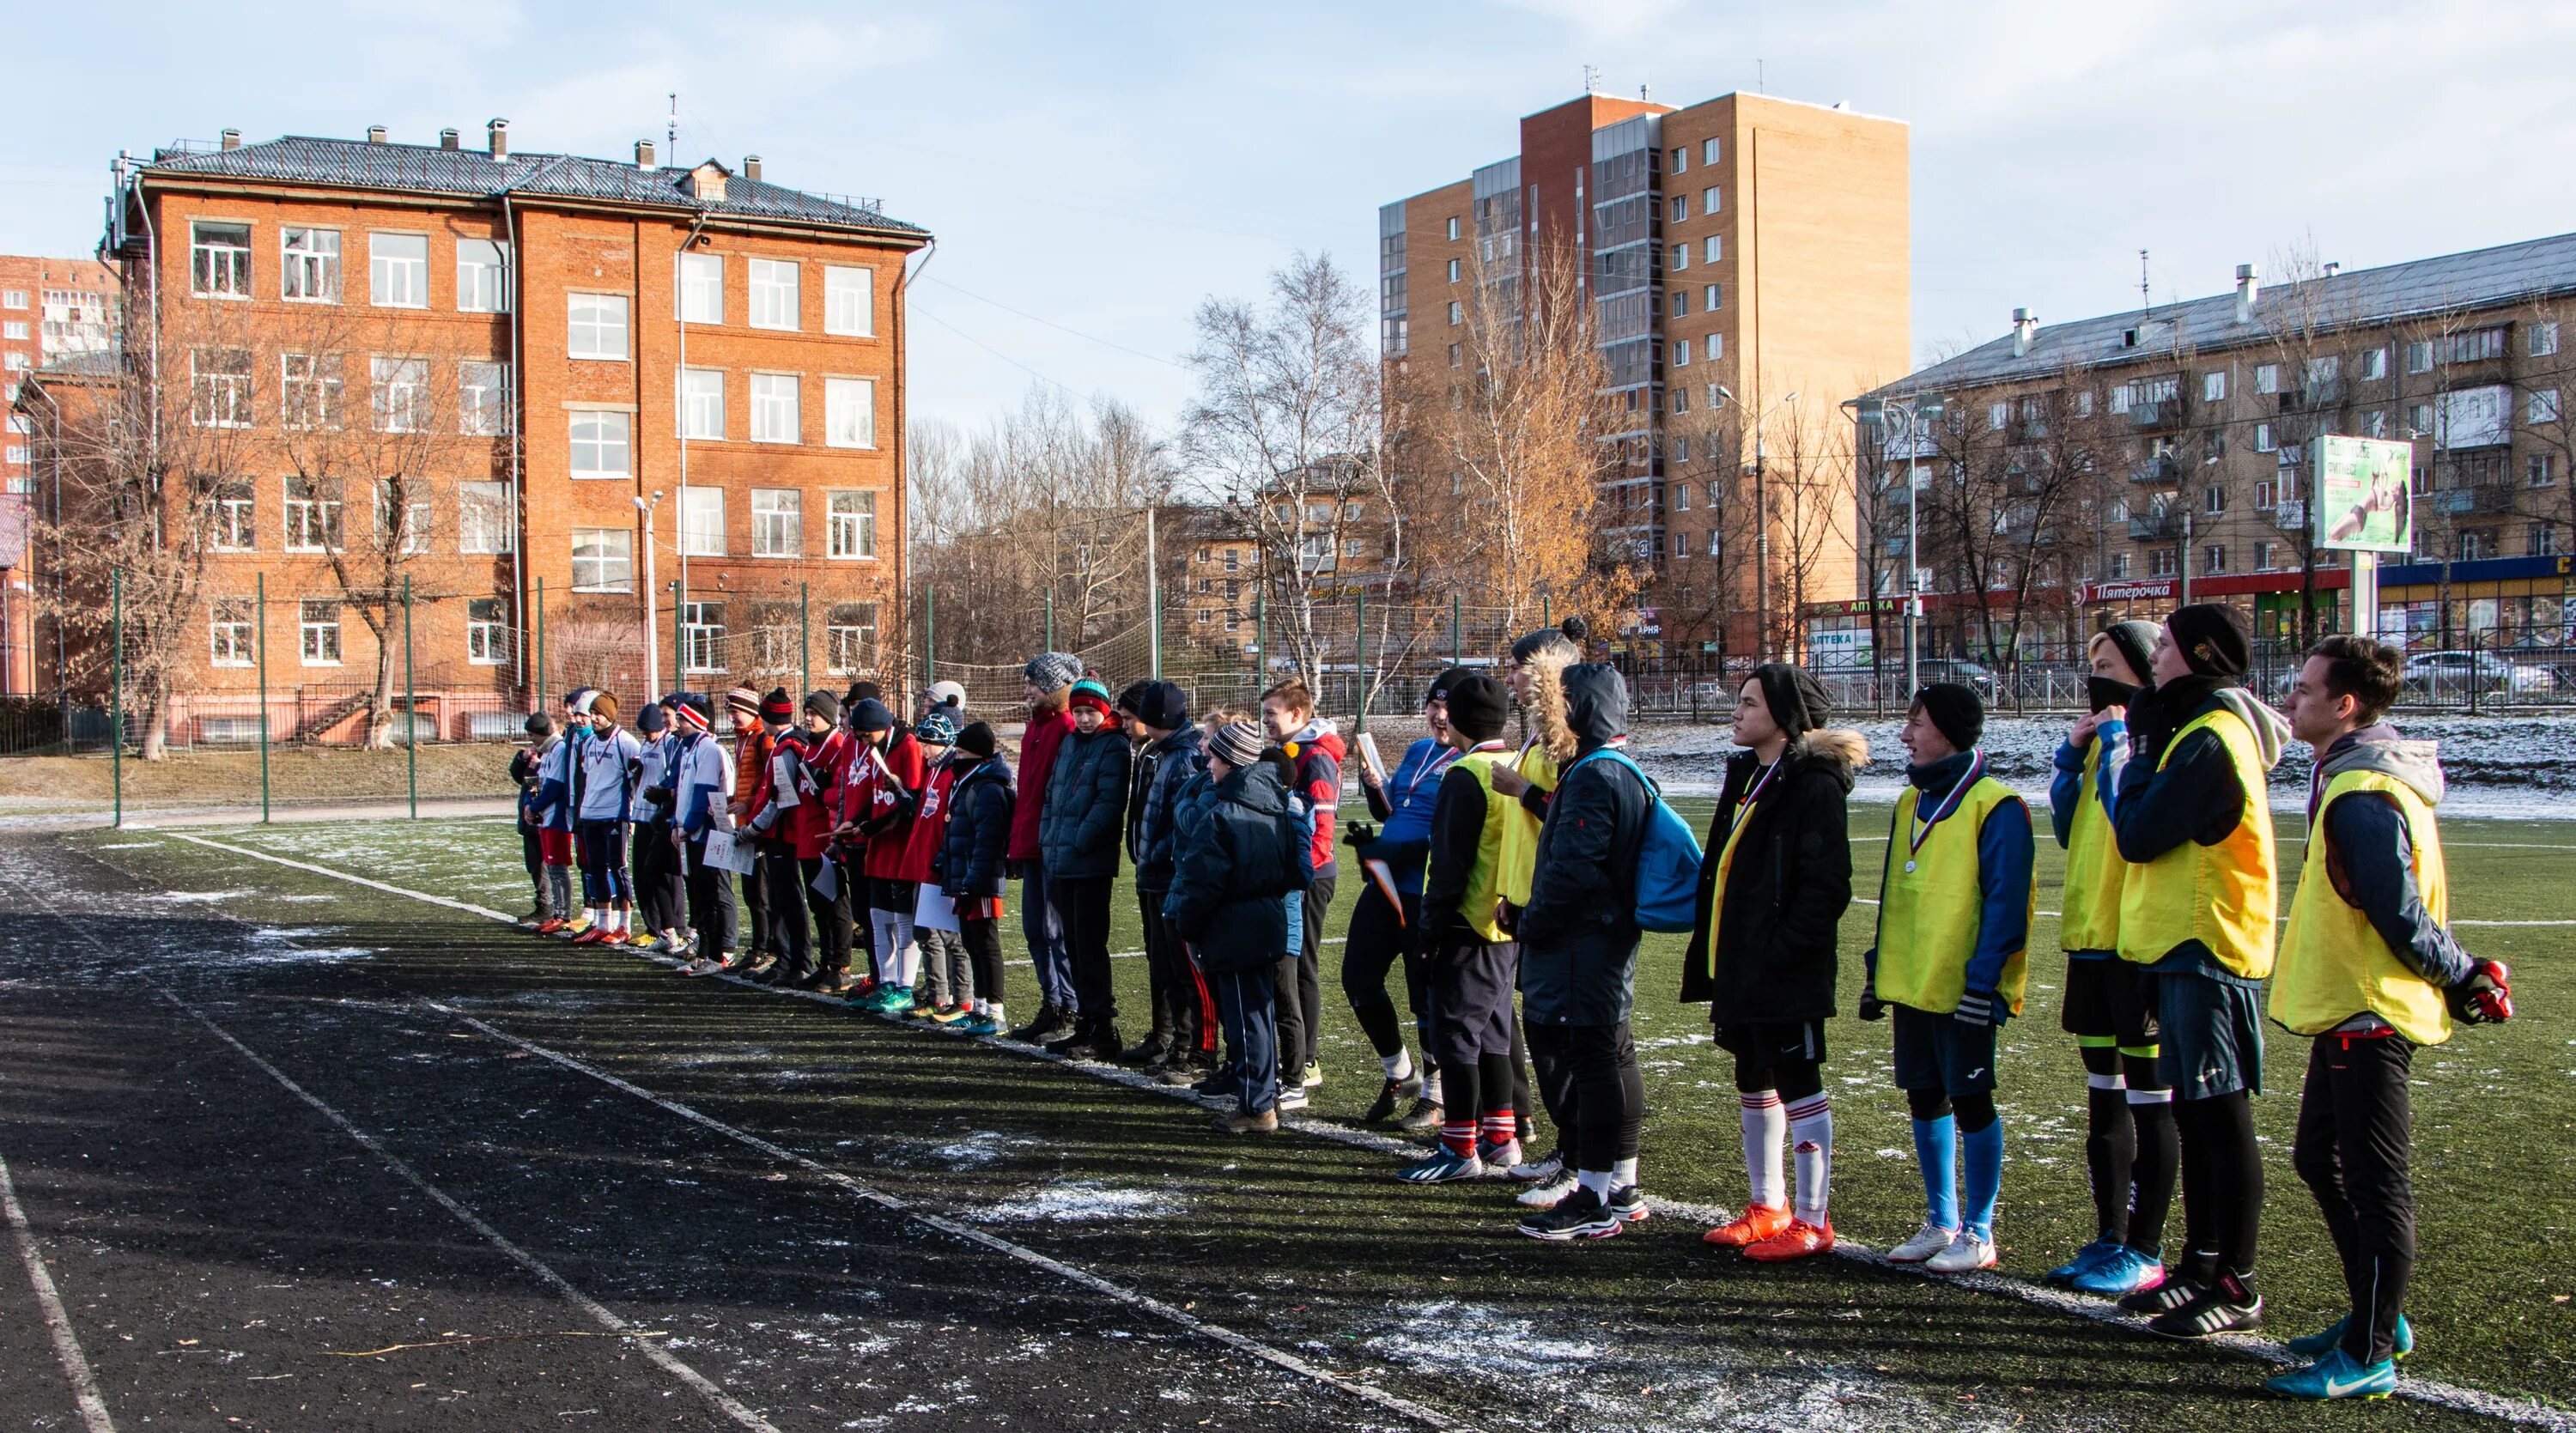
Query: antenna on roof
{"x": 2146, "y": 301}
{"x": 672, "y": 130}
{"x": 1591, "y": 79}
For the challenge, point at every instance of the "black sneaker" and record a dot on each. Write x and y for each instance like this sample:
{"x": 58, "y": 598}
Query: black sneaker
{"x": 2172, "y": 1294}
{"x": 1073, "y": 1044}
{"x": 1581, "y": 1215}
{"x": 1048, "y": 1025}
{"x": 1391, "y": 1098}
{"x": 1186, "y": 1069}
{"x": 1423, "y": 1118}
{"x": 2213, "y": 1312}
{"x": 1219, "y": 1085}
{"x": 1151, "y": 1053}
{"x": 1102, "y": 1045}
{"x": 1629, "y": 1204}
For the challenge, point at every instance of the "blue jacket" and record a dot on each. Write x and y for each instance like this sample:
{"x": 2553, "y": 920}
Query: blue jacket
{"x": 973, "y": 855}
{"x": 1237, "y": 864}
{"x": 1403, "y": 806}
{"x": 1175, "y": 760}
{"x": 1086, "y": 805}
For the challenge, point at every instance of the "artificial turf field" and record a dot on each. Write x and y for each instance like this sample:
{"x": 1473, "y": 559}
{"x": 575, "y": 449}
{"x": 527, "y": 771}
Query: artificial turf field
{"x": 1298, "y": 1241}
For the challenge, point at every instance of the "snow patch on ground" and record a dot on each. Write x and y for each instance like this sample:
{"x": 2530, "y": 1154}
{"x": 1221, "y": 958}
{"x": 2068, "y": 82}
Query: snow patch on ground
{"x": 979, "y": 1149}
{"x": 183, "y": 897}
{"x": 1076, "y": 1201}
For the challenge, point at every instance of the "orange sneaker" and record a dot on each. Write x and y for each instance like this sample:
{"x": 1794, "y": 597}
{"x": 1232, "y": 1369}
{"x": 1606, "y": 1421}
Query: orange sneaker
{"x": 1798, "y": 1241}
{"x": 1757, "y": 1223}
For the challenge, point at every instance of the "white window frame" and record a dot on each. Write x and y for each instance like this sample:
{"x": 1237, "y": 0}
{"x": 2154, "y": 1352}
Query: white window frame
{"x": 849, "y": 631}
{"x": 487, "y": 631}
{"x": 702, "y": 521}
{"x": 776, "y": 408}
{"x": 308, "y": 265}
{"x": 2267, "y": 378}
{"x": 233, "y": 517}
{"x": 701, "y": 296}
{"x": 2419, "y": 356}
{"x": 2540, "y": 405}
{"x": 218, "y": 270}
{"x": 1708, "y": 151}
{"x": 482, "y": 276}
{"x": 1711, "y": 199}
{"x": 702, "y": 404}
{"x": 482, "y": 398}
{"x": 595, "y": 326}
{"x": 2213, "y": 386}
{"x": 312, "y": 523}
{"x": 1680, "y": 259}
{"x": 778, "y": 523}
{"x": 851, "y": 516}
{"x": 309, "y": 391}
{"x": 612, "y": 566}
{"x": 317, "y": 631}
{"x": 1681, "y": 353}
{"x": 850, "y": 300}
{"x": 414, "y": 538}
{"x": 2374, "y": 364}
{"x": 396, "y": 279}
{"x": 231, "y": 634}
{"x": 777, "y": 291}
{"x": 610, "y": 432}
{"x": 2263, "y": 440}
{"x": 222, "y": 398}
{"x": 1457, "y": 313}
{"x": 482, "y": 518}
{"x": 2540, "y": 340}
{"x": 702, "y": 637}
{"x": 398, "y": 393}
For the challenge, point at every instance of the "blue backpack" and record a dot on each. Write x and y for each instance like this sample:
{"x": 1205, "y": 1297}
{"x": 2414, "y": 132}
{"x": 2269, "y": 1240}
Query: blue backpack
{"x": 1667, "y": 860}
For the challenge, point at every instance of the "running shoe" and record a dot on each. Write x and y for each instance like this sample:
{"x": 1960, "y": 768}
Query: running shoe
{"x": 1391, "y": 1098}
{"x": 1927, "y": 1241}
{"x": 1423, "y": 1118}
{"x": 573, "y": 930}
{"x": 2126, "y": 1272}
{"x": 1219, "y": 1085}
{"x": 1799, "y": 1241}
{"x": 551, "y": 924}
{"x": 2085, "y": 1258}
{"x": 1443, "y": 1167}
{"x": 1292, "y": 1099}
{"x": 1582, "y": 1215}
{"x": 2317, "y": 1345}
{"x": 1757, "y": 1223}
{"x": 1548, "y": 1168}
{"x": 2211, "y": 1312}
{"x": 2177, "y": 1290}
{"x": 702, "y": 966}
{"x": 1550, "y": 1192}
{"x": 978, "y": 1025}
{"x": 950, "y": 1014}
{"x": 2336, "y": 1375}
{"x": 1312, "y": 1076}
{"x": 921, "y": 1007}
{"x": 647, "y": 940}
{"x": 592, "y": 935}
{"x": 1499, "y": 1158}
{"x": 1969, "y": 1251}
{"x": 1629, "y": 1203}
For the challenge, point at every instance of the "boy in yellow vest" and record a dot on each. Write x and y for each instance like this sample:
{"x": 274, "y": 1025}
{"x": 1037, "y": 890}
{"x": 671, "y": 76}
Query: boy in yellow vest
{"x": 2194, "y": 823}
{"x": 2368, "y": 967}
{"x": 1954, "y": 914}
{"x": 2130, "y": 1150}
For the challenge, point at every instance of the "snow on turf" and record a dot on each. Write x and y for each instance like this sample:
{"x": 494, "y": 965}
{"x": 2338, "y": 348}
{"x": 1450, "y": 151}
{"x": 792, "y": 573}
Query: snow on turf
{"x": 1074, "y": 1202}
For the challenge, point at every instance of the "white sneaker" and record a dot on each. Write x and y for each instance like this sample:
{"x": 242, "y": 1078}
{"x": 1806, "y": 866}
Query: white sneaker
{"x": 1928, "y": 1241}
{"x": 1968, "y": 1252}
{"x": 1499, "y": 1158}
{"x": 1547, "y": 1194}
{"x": 1541, "y": 1169}
{"x": 1291, "y": 1099}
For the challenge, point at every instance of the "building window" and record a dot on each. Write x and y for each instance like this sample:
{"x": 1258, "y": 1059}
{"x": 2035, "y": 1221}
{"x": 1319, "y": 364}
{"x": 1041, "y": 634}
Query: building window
{"x": 483, "y": 398}
{"x": 2541, "y": 406}
{"x": 233, "y": 514}
{"x": 487, "y": 632}
{"x": 2267, "y": 378}
{"x": 2213, "y": 386}
{"x": 603, "y": 559}
{"x": 1453, "y": 270}
{"x": 13, "y": 298}
{"x": 777, "y": 522}
{"x": 2420, "y": 418}
{"x": 1681, "y": 159}
{"x": 2160, "y": 562}
{"x": 2476, "y": 347}
{"x": 229, "y": 634}
{"x": 1681, "y": 544}
{"x": 482, "y": 518}
{"x": 1681, "y": 353}
{"x": 854, "y": 524}
{"x": 1712, "y": 298}
{"x": 220, "y": 387}
{"x": 2263, "y": 494}
{"x": 2213, "y": 558}
{"x": 702, "y": 521}
{"x": 2541, "y": 339}
{"x": 773, "y": 293}
{"x": 1998, "y": 416}
{"x": 850, "y": 637}
{"x": 1712, "y": 248}
{"x": 2419, "y": 357}
{"x": 2540, "y": 470}
{"x": 596, "y": 326}
{"x": 482, "y": 276}
{"x": 850, "y": 412}
{"x": 318, "y": 632}
{"x": 413, "y": 516}
{"x": 1681, "y": 303}
{"x": 309, "y": 390}
{"x": 398, "y": 270}
{"x": 2374, "y": 363}
{"x": 2263, "y": 441}
{"x": 2119, "y": 566}
{"x": 312, "y": 517}
{"x": 399, "y": 390}
{"x": 310, "y": 265}
{"x": 1681, "y": 400}
{"x": 1233, "y": 558}
{"x": 15, "y": 328}
{"x": 1680, "y": 207}
{"x": 2374, "y": 424}
{"x": 1713, "y": 346}
{"x": 773, "y": 409}
{"x": 1680, "y": 258}
{"x": 1710, "y": 200}
{"x": 849, "y": 301}
{"x": 702, "y": 403}
{"x": 1457, "y": 355}
{"x": 702, "y": 288}
{"x": 2543, "y": 540}
{"x": 2213, "y": 500}
{"x": 1453, "y": 226}
{"x": 2262, "y": 555}
{"x": 218, "y": 262}
{"x": 600, "y": 444}
{"x": 2475, "y": 545}
{"x": 702, "y": 636}
{"x": 1457, "y": 313}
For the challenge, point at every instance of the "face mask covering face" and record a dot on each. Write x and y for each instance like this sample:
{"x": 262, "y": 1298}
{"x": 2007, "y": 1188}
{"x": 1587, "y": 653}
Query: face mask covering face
{"x": 2106, "y": 693}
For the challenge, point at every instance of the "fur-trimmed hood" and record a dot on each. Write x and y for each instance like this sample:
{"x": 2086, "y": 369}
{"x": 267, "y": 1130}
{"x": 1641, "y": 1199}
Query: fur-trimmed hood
{"x": 1546, "y": 709}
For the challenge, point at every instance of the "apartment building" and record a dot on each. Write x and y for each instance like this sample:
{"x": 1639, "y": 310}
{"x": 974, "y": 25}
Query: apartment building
{"x": 1745, "y": 260}
{"x": 52, "y": 311}
{"x": 630, "y": 368}
{"x": 2172, "y": 449}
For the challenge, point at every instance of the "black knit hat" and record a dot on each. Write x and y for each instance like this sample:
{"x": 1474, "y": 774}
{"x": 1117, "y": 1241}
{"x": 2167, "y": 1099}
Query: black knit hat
{"x": 861, "y": 691}
{"x": 1795, "y": 700}
{"x": 824, "y": 705}
{"x": 777, "y": 706}
{"x": 540, "y": 724}
{"x": 2212, "y": 638}
{"x": 1162, "y": 706}
{"x": 2135, "y": 641}
{"x": 1478, "y": 706}
{"x": 1565, "y": 637}
{"x": 1131, "y": 696}
{"x": 1440, "y": 685}
{"x": 1955, "y": 710}
{"x": 976, "y": 739}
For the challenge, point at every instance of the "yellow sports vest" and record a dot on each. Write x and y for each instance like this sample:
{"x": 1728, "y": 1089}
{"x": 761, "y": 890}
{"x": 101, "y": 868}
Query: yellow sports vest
{"x": 1520, "y": 832}
{"x": 2090, "y": 918}
{"x": 2333, "y": 963}
{"x": 1928, "y": 917}
{"x": 1481, "y": 906}
{"x": 2222, "y": 896}
{"x": 1726, "y": 863}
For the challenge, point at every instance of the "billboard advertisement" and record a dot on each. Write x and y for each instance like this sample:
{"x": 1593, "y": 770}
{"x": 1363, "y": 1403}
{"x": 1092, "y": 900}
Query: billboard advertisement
{"x": 2364, "y": 499}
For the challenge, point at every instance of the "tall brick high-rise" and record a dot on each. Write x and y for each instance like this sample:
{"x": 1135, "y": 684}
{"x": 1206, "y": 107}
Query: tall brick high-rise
{"x": 1734, "y": 252}
{"x": 52, "y": 311}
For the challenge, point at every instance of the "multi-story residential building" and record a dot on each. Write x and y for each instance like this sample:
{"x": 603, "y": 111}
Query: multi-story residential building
{"x": 1745, "y": 261}
{"x": 587, "y": 370}
{"x": 2120, "y": 465}
{"x": 52, "y": 311}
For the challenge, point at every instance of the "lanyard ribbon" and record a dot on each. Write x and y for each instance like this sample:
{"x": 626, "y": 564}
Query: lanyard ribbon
{"x": 1923, "y": 824}
{"x": 1744, "y": 803}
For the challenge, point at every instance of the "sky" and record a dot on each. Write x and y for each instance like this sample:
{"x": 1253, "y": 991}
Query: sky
{"x": 1095, "y": 170}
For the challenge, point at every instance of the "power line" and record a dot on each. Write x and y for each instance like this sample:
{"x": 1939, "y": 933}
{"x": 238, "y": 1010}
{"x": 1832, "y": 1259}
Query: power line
{"x": 1062, "y": 328}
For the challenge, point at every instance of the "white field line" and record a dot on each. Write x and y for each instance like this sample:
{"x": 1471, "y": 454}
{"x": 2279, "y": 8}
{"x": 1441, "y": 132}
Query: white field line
{"x": 2421, "y": 1390}
{"x": 58, "y": 1320}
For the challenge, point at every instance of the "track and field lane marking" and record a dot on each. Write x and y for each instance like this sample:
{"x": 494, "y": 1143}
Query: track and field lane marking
{"x": 58, "y": 1320}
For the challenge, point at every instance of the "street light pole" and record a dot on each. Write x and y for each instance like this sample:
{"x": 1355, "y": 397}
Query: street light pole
{"x": 1909, "y": 417}
{"x": 652, "y": 630}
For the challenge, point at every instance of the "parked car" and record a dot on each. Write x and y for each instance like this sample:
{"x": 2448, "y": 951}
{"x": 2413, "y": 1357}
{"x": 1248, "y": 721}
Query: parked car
{"x": 1956, "y": 669}
{"x": 2449, "y": 674}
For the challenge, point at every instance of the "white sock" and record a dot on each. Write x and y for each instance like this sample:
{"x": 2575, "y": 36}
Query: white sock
{"x": 1398, "y": 1065}
{"x": 1431, "y": 1085}
{"x": 994, "y": 1010}
{"x": 1596, "y": 1180}
{"x": 1766, "y": 1125}
{"x": 1811, "y": 1130}
{"x": 1623, "y": 1175}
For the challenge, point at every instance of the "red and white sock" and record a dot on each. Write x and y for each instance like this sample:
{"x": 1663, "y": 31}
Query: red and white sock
{"x": 1766, "y": 1126}
{"x": 1811, "y": 1130}
{"x": 1501, "y": 1128}
{"x": 1460, "y": 1137}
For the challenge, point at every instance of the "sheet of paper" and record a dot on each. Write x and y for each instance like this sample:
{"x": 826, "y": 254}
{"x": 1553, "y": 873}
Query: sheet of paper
{"x": 934, "y": 911}
{"x": 1368, "y": 753}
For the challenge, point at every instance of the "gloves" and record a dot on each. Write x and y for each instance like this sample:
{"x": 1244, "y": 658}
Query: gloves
{"x": 1976, "y": 1007}
{"x": 2485, "y": 997}
{"x": 658, "y": 795}
{"x": 1871, "y": 1007}
{"x": 1359, "y": 835}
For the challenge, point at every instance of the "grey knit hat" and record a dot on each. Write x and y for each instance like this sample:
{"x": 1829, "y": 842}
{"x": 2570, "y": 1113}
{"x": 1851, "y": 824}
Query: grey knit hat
{"x": 1053, "y": 671}
{"x": 1237, "y": 743}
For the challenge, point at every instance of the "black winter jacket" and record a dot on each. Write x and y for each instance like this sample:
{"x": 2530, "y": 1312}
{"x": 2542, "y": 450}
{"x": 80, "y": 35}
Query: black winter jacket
{"x": 1086, "y": 805}
{"x": 1163, "y": 769}
{"x": 1579, "y": 932}
{"x": 973, "y": 855}
{"x": 1777, "y": 952}
{"x": 1238, "y": 862}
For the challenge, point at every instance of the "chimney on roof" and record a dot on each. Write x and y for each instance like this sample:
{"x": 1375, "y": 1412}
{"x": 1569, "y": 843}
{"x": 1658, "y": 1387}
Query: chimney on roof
{"x": 751, "y": 167}
{"x": 2246, "y": 292}
{"x": 447, "y": 139}
{"x": 2333, "y": 268}
{"x": 498, "y": 135}
{"x": 232, "y": 139}
{"x": 2025, "y": 328}
{"x": 375, "y": 134}
{"x": 644, "y": 155}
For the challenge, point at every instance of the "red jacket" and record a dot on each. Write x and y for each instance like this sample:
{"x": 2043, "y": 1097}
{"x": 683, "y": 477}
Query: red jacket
{"x": 1319, "y": 754}
{"x": 1037, "y": 760}
{"x": 929, "y": 826}
{"x": 870, "y": 797}
{"x": 751, "y": 753}
{"x": 814, "y": 817}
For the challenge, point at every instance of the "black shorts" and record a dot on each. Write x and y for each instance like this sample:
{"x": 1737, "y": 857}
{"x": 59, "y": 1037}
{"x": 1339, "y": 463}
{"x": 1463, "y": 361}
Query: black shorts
{"x": 1472, "y": 984}
{"x": 2110, "y": 1003}
{"x": 2213, "y": 1035}
{"x": 1942, "y": 1052}
{"x": 1769, "y": 1044}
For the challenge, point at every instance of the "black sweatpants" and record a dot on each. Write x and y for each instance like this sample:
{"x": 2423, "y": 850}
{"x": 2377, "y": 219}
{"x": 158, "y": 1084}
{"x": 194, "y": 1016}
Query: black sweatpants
{"x": 757, "y": 937}
{"x": 1185, "y": 1012}
{"x": 2222, "y": 1186}
{"x": 1588, "y": 1075}
{"x": 983, "y": 940}
{"x": 710, "y": 902}
{"x": 658, "y": 892}
{"x": 1310, "y": 981}
{"x": 532, "y": 852}
{"x": 1082, "y": 912}
{"x": 785, "y": 881}
{"x": 1375, "y": 942}
{"x": 2352, "y": 1150}
{"x": 831, "y": 917}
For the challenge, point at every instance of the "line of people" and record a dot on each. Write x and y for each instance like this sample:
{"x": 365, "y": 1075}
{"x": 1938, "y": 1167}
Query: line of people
{"x": 1503, "y": 885}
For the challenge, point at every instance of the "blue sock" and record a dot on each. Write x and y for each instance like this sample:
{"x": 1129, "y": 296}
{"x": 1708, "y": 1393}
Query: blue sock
{"x": 1984, "y": 1175}
{"x": 1936, "y": 1150}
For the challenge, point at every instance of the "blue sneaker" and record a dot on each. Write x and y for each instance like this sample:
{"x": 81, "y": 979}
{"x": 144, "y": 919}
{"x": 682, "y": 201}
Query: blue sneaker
{"x": 2318, "y": 1345}
{"x": 2125, "y": 1272}
{"x": 2336, "y": 1376}
{"x": 977, "y": 1025}
{"x": 1442, "y": 1167}
{"x": 2085, "y": 1258}
{"x": 894, "y": 1000}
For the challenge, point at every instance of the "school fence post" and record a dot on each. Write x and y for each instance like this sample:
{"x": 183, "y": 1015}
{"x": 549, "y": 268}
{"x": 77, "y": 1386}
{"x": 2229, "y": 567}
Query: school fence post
{"x": 679, "y": 632}
{"x": 929, "y": 637}
{"x": 411, "y": 709}
{"x": 1360, "y": 662}
{"x": 116, "y": 689}
{"x": 260, "y": 613}
{"x": 537, "y": 673}
{"x": 1456, "y": 610}
{"x": 1260, "y": 645}
{"x": 805, "y": 632}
